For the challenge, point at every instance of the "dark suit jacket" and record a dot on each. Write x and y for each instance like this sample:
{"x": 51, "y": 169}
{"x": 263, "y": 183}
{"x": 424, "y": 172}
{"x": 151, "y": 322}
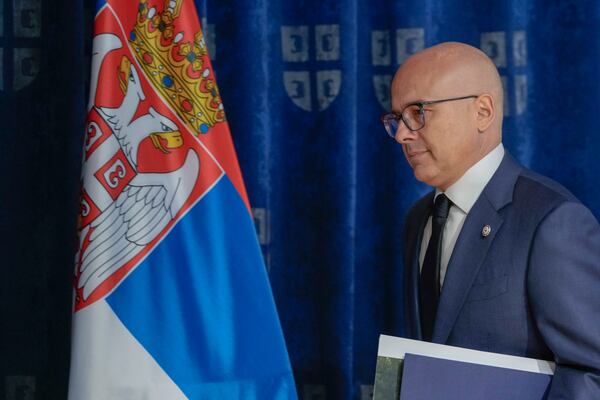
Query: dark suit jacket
{"x": 530, "y": 288}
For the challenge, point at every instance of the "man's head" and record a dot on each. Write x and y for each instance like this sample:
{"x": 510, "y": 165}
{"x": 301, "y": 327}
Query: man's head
{"x": 456, "y": 133}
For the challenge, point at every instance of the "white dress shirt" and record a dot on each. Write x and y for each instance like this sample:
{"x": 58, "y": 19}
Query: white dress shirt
{"x": 463, "y": 194}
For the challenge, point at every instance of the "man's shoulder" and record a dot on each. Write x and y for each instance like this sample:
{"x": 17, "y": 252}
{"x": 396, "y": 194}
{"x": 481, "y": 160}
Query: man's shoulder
{"x": 537, "y": 188}
{"x": 514, "y": 183}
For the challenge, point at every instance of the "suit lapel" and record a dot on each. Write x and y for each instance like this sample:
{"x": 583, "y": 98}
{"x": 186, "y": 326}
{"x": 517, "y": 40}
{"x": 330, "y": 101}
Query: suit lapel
{"x": 468, "y": 255}
{"x": 472, "y": 246}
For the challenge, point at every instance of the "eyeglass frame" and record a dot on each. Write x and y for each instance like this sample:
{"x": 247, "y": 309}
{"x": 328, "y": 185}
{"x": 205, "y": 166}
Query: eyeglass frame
{"x": 400, "y": 116}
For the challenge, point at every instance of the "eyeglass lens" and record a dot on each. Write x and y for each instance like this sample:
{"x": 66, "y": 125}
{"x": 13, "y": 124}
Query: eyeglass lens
{"x": 413, "y": 117}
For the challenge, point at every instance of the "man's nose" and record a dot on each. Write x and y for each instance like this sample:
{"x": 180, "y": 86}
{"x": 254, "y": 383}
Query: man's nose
{"x": 405, "y": 135}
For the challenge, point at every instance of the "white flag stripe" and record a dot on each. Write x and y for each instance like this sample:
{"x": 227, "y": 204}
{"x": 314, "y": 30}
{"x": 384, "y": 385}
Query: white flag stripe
{"x": 108, "y": 363}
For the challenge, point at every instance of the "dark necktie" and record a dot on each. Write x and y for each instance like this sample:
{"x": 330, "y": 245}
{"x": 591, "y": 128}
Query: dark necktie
{"x": 429, "y": 284}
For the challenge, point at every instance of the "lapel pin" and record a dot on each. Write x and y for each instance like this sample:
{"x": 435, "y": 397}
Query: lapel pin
{"x": 485, "y": 232}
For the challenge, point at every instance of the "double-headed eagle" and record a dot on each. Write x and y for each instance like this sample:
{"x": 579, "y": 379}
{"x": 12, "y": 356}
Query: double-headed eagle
{"x": 149, "y": 201}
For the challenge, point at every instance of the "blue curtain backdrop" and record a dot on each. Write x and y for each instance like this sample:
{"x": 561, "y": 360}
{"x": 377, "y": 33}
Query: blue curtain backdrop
{"x": 303, "y": 84}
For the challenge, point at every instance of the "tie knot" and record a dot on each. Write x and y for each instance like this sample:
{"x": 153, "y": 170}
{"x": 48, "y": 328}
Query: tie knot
{"x": 441, "y": 206}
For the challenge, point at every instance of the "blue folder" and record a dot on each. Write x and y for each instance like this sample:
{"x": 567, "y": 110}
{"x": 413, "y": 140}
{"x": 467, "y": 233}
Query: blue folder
{"x": 427, "y": 378}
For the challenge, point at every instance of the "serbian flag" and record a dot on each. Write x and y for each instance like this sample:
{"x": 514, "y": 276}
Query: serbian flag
{"x": 171, "y": 296}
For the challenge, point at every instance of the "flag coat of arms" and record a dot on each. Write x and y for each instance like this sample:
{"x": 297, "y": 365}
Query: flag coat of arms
{"x": 171, "y": 297}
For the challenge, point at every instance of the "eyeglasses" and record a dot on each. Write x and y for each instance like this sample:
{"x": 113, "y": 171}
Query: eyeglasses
{"x": 413, "y": 115}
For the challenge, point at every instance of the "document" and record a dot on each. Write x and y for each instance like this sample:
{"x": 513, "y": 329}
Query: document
{"x": 414, "y": 370}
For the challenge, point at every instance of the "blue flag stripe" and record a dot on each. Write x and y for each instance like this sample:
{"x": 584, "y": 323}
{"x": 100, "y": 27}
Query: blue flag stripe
{"x": 201, "y": 305}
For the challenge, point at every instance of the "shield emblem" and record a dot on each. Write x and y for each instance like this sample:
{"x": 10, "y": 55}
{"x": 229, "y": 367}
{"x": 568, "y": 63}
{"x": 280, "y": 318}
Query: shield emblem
{"x": 494, "y": 45}
{"x": 27, "y": 22}
{"x": 297, "y": 86}
{"x": 380, "y": 48}
{"x": 381, "y": 84}
{"x": 295, "y": 49}
{"x": 28, "y": 18}
{"x": 519, "y": 49}
{"x": 520, "y": 93}
{"x": 294, "y": 43}
{"x": 408, "y": 42}
{"x": 327, "y": 41}
{"x": 26, "y": 67}
{"x": 328, "y": 87}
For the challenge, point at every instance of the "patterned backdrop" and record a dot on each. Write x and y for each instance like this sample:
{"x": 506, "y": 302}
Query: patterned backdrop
{"x": 303, "y": 83}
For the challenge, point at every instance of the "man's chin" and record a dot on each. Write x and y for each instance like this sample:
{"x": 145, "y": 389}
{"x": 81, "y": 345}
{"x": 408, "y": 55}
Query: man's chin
{"x": 425, "y": 175}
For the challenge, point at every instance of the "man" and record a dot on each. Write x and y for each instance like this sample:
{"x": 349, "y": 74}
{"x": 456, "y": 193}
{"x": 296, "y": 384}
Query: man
{"x": 497, "y": 258}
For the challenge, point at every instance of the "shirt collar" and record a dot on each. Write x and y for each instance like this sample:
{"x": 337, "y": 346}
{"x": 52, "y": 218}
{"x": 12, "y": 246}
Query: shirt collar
{"x": 465, "y": 191}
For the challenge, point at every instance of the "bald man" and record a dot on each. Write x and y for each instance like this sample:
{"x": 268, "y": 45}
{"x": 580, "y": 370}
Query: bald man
{"x": 497, "y": 258}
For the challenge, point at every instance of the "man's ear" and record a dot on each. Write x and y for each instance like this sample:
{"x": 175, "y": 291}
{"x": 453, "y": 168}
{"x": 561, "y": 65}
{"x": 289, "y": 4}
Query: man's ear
{"x": 486, "y": 111}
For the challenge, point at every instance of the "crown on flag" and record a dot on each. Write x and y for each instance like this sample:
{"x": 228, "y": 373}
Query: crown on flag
{"x": 179, "y": 70}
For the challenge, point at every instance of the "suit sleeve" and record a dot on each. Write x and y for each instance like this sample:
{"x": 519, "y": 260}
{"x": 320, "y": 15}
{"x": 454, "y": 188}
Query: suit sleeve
{"x": 564, "y": 294}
